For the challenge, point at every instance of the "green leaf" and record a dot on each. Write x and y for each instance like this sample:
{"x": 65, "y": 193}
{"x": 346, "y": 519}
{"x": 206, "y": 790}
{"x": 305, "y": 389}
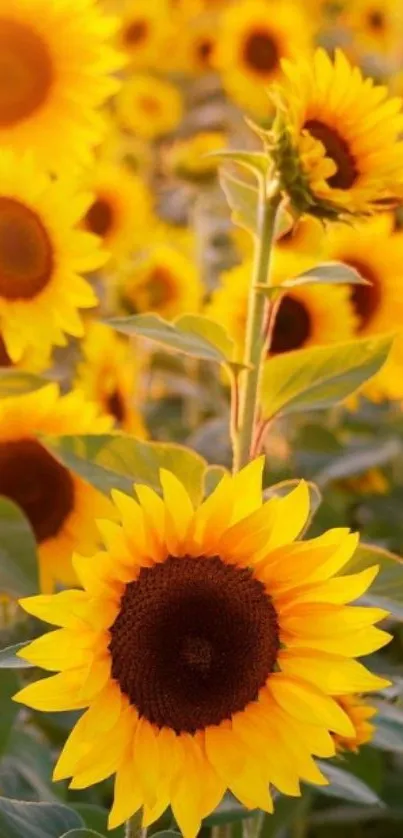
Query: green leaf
{"x": 19, "y": 819}
{"x": 191, "y": 334}
{"x": 357, "y": 459}
{"x": 31, "y": 759}
{"x": 15, "y": 382}
{"x": 118, "y": 460}
{"x": 242, "y": 198}
{"x": 318, "y": 378}
{"x": 329, "y": 273}
{"x": 18, "y": 555}
{"x": 256, "y": 162}
{"x": 96, "y": 818}
{"x": 8, "y": 709}
{"x": 228, "y": 811}
{"x": 82, "y": 833}
{"x": 287, "y": 810}
{"x": 388, "y": 734}
{"x": 346, "y": 786}
{"x": 9, "y": 659}
{"x": 389, "y": 582}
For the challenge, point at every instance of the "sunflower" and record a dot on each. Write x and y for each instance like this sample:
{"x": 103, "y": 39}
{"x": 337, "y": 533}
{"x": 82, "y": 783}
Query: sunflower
{"x": 41, "y": 257}
{"x": 377, "y": 253}
{"x": 166, "y": 282}
{"x": 59, "y": 505}
{"x": 35, "y": 359}
{"x": 189, "y": 158}
{"x": 305, "y": 235}
{"x": 207, "y": 644}
{"x": 144, "y": 28}
{"x": 121, "y": 210}
{"x": 254, "y": 36}
{"x": 373, "y": 24}
{"x": 308, "y": 315}
{"x": 109, "y": 376}
{"x": 55, "y": 61}
{"x": 201, "y": 44}
{"x": 343, "y": 132}
{"x": 359, "y": 713}
{"x": 149, "y": 107}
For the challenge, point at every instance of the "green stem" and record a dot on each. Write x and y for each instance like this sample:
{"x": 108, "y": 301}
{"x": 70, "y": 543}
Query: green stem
{"x": 256, "y": 335}
{"x": 134, "y": 828}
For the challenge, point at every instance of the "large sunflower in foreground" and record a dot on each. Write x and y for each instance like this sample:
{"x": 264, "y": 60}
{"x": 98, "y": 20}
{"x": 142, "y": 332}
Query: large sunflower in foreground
{"x": 377, "y": 253}
{"x": 254, "y": 37}
{"x": 120, "y": 213}
{"x": 42, "y": 254}
{"x": 207, "y": 644}
{"x": 54, "y": 66}
{"x": 58, "y": 504}
{"x": 109, "y": 376}
{"x": 308, "y": 315}
{"x": 343, "y": 131}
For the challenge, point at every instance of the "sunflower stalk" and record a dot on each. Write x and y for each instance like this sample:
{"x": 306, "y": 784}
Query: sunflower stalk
{"x": 258, "y": 335}
{"x": 134, "y": 829}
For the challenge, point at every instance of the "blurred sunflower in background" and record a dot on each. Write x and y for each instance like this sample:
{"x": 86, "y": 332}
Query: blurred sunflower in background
{"x": 376, "y": 252}
{"x": 216, "y": 643}
{"x": 58, "y": 63}
{"x": 166, "y": 281}
{"x": 109, "y": 376}
{"x": 307, "y": 316}
{"x": 59, "y": 505}
{"x": 42, "y": 257}
{"x": 143, "y": 31}
{"x": 344, "y": 131}
{"x": 254, "y": 37}
{"x": 373, "y": 25}
{"x": 148, "y": 106}
{"x": 121, "y": 209}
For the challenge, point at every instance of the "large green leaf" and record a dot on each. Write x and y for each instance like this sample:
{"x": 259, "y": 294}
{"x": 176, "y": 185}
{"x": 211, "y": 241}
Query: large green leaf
{"x": 328, "y": 273}
{"x": 96, "y": 818}
{"x": 190, "y": 334}
{"x": 10, "y": 660}
{"x": 31, "y": 759}
{"x": 119, "y": 460}
{"x": 242, "y": 198}
{"x": 19, "y": 819}
{"x": 18, "y": 556}
{"x": 357, "y": 458}
{"x": 317, "y": 378}
{"x": 16, "y": 382}
{"x": 388, "y": 734}
{"x": 346, "y": 786}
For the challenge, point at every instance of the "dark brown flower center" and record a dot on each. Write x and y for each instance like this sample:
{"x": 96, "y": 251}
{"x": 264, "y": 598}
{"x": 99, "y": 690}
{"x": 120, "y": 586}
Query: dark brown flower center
{"x": 204, "y": 51}
{"x": 135, "y": 32}
{"x": 100, "y": 218}
{"x": 115, "y": 405}
{"x": 26, "y": 257}
{"x": 38, "y": 484}
{"x": 160, "y": 287}
{"x": 338, "y": 150}
{"x": 376, "y": 19}
{"x": 261, "y": 52}
{"x": 194, "y": 642}
{"x": 365, "y": 298}
{"x": 5, "y": 360}
{"x": 26, "y": 72}
{"x": 292, "y": 327}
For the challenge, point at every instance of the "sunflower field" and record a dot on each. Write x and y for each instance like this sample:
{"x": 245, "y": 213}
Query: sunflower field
{"x": 201, "y": 418}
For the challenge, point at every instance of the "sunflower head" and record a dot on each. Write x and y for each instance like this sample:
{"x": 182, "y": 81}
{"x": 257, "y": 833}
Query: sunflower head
{"x": 149, "y": 107}
{"x": 59, "y": 506}
{"x": 337, "y": 155}
{"x": 144, "y": 28}
{"x": 189, "y": 158}
{"x": 166, "y": 281}
{"x": 207, "y": 644}
{"x": 360, "y": 714}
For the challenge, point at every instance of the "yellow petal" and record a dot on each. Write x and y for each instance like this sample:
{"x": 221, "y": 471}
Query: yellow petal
{"x": 106, "y": 753}
{"x": 291, "y": 516}
{"x": 320, "y": 620}
{"x": 338, "y": 591}
{"x": 154, "y": 513}
{"x": 353, "y": 645}
{"x": 213, "y": 516}
{"x": 186, "y": 789}
{"x": 59, "y": 609}
{"x": 146, "y": 755}
{"x": 77, "y": 745}
{"x": 59, "y": 650}
{"x": 58, "y": 692}
{"x": 251, "y": 789}
{"x": 132, "y": 517}
{"x": 333, "y": 674}
{"x": 306, "y": 703}
{"x": 179, "y": 511}
{"x": 128, "y": 796}
{"x": 247, "y": 489}
{"x": 224, "y": 750}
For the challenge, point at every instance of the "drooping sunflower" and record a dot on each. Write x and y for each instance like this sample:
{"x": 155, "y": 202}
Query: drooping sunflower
{"x": 109, "y": 376}
{"x": 144, "y": 28}
{"x": 148, "y": 106}
{"x": 254, "y": 37}
{"x": 377, "y": 253}
{"x": 308, "y": 315}
{"x": 165, "y": 281}
{"x": 58, "y": 504}
{"x": 56, "y": 67}
{"x": 343, "y": 131}
{"x": 121, "y": 210}
{"x": 207, "y": 644}
{"x": 359, "y": 713}
{"x": 42, "y": 254}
